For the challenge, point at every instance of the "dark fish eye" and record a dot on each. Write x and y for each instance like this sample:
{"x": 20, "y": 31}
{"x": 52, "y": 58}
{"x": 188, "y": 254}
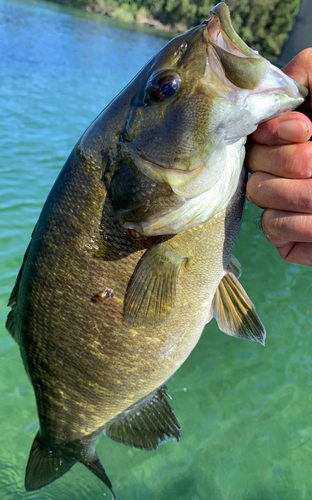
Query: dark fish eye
{"x": 162, "y": 86}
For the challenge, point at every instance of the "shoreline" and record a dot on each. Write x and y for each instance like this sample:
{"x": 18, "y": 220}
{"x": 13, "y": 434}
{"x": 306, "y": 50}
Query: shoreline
{"x": 139, "y": 19}
{"x": 131, "y": 15}
{"x": 258, "y": 30}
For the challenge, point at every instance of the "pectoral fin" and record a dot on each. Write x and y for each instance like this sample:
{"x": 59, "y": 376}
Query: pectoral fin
{"x": 147, "y": 424}
{"x": 235, "y": 313}
{"x": 151, "y": 294}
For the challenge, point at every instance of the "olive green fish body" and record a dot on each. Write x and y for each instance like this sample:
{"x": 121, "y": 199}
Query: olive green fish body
{"x": 132, "y": 253}
{"x": 85, "y": 364}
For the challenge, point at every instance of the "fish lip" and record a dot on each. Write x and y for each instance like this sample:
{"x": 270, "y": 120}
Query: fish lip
{"x": 221, "y": 33}
{"x": 222, "y": 42}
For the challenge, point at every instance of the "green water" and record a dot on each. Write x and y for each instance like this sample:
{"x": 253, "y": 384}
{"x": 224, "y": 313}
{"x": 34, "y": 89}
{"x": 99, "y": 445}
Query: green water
{"x": 245, "y": 410}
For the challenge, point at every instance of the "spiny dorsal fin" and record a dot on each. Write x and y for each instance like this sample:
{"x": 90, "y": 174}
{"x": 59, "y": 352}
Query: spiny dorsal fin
{"x": 235, "y": 313}
{"x": 151, "y": 294}
{"x": 45, "y": 465}
{"x": 147, "y": 424}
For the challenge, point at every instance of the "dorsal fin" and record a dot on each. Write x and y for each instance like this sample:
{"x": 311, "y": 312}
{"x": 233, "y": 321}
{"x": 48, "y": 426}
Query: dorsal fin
{"x": 151, "y": 294}
{"x": 235, "y": 313}
{"x": 147, "y": 424}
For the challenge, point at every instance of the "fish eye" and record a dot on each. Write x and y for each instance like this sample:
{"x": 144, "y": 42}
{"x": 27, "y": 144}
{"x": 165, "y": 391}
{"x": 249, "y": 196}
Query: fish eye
{"x": 163, "y": 85}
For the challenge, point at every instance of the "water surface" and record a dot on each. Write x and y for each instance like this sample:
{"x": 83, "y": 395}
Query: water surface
{"x": 245, "y": 410}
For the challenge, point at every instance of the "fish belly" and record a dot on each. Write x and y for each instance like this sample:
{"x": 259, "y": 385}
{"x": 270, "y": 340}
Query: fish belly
{"x": 85, "y": 364}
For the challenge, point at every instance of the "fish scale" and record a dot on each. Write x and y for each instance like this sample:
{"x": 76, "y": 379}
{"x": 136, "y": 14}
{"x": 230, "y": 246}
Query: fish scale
{"x": 95, "y": 367}
{"x": 133, "y": 252}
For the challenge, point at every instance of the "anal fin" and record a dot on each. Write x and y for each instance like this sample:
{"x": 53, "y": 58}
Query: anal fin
{"x": 235, "y": 313}
{"x": 147, "y": 424}
{"x": 151, "y": 293}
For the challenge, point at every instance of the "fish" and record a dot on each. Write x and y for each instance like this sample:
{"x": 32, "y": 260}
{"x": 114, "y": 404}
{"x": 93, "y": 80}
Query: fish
{"x": 132, "y": 254}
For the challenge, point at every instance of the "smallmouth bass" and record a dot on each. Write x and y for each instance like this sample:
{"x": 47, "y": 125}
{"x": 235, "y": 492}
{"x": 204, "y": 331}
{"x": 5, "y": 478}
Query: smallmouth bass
{"x": 132, "y": 254}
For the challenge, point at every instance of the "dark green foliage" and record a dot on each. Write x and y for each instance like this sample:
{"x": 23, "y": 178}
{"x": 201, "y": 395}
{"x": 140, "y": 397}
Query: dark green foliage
{"x": 262, "y": 24}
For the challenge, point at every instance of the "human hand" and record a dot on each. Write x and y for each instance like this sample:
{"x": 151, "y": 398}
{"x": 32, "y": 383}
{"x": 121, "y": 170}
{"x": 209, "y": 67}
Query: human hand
{"x": 280, "y": 158}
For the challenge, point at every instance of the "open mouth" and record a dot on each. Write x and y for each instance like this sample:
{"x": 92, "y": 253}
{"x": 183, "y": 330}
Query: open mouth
{"x": 222, "y": 33}
{"x": 242, "y": 66}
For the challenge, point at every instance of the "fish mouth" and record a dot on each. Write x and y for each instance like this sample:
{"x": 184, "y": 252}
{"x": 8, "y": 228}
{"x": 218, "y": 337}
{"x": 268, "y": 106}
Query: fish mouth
{"x": 222, "y": 35}
{"x": 242, "y": 66}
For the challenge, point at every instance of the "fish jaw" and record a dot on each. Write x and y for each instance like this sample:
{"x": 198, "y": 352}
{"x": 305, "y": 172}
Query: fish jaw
{"x": 256, "y": 89}
{"x": 225, "y": 90}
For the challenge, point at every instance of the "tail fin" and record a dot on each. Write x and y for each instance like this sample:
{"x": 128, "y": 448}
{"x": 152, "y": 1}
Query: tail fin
{"x": 45, "y": 465}
{"x": 95, "y": 466}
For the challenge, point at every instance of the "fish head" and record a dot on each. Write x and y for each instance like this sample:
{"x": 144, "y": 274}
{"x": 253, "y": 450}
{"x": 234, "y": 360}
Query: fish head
{"x": 180, "y": 150}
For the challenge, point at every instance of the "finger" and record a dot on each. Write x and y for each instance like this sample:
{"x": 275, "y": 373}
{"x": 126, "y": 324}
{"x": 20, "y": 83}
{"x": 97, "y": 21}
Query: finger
{"x": 291, "y": 233}
{"x": 297, "y": 253}
{"x": 293, "y": 161}
{"x": 299, "y": 69}
{"x": 268, "y": 191}
{"x": 292, "y": 127}
{"x": 281, "y": 227}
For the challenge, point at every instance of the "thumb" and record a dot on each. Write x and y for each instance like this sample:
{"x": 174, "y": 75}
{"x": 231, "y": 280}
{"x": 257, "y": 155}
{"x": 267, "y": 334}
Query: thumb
{"x": 292, "y": 127}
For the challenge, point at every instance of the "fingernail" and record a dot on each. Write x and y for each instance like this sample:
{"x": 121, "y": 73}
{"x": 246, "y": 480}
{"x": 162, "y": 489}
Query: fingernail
{"x": 293, "y": 131}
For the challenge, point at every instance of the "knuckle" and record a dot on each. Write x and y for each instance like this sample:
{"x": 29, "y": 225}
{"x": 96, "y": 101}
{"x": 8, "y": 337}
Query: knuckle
{"x": 306, "y": 54}
{"x": 266, "y": 133}
{"x": 269, "y": 225}
{"x": 301, "y": 160}
{"x": 276, "y": 225}
{"x": 255, "y": 185}
{"x": 286, "y": 252}
{"x": 304, "y": 197}
{"x": 297, "y": 253}
{"x": 293, "y": 161}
